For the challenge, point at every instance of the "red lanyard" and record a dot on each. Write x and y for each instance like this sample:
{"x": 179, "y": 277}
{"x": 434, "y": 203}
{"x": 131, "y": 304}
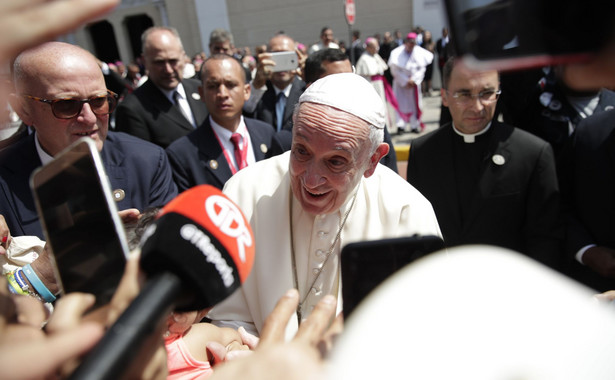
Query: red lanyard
{"x": 244, "y": 152}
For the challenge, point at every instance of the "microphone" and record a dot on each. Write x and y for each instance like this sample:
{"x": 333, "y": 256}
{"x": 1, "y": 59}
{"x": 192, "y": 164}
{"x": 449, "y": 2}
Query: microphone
{"x": 198, "y": 251}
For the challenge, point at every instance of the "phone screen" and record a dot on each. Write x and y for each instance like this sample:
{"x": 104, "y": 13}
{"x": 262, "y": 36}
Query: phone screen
{"x": 365, "y": 265}
{"x": 81, "y": 225}
{"x": 529, "y": 33}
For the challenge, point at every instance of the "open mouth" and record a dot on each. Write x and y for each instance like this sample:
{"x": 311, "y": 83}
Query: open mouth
{"x": 82, "y": 134}
{"x": 316, "y": 195}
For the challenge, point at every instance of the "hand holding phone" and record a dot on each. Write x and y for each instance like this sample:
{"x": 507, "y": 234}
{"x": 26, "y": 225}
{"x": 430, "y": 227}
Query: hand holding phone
{"x": 284, "y": 61}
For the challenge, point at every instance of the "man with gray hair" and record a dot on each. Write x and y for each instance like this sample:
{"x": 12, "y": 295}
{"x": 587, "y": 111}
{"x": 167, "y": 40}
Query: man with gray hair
{"x": 328, "y": 191}
{"x": 166, "y": 107}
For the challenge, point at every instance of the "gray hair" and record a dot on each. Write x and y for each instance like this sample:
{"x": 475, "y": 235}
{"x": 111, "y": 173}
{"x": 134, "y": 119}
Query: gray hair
{"x": 220, "y": 35}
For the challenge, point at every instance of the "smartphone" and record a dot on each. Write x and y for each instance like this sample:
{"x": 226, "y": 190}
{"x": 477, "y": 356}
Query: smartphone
{"x": 284, "y": 61}
{"x": 80, "y": 221}
{"x": 365, "y": 265}
{"x": 518, "y": 34}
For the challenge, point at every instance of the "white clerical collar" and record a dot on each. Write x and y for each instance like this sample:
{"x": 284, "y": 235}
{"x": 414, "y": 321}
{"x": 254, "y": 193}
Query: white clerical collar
{"x": 470, "y": 138}
{"x": 286, "y": 90}
{"x": 44, "y": 156}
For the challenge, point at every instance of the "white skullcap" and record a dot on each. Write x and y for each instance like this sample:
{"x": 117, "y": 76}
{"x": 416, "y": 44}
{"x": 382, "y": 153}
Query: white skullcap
{"x": 350, "y": 93}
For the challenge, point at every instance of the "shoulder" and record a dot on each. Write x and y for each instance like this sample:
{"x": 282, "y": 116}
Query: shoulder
{"x": 392, "y": 191}
{"x": 258, "y": 126}
{"x": 130, "y": 145}
{"x": 431, "y": 138}
{"x": 519, "y": 136}
{"x": 266, "y": 173}
{"x": 191, "y": 84}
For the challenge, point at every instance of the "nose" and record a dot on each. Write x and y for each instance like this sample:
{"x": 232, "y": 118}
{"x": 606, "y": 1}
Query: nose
{"x": 476, "y": 104}
{"x": 313, "y": 176}
{"x": 223, "y": 91}
{"x": 86, "y": 115}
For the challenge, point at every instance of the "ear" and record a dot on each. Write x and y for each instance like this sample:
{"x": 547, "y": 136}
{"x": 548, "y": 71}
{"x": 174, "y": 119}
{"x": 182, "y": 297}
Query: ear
{"x": 444, "y": 96}
{"x": 380, "y": 152}
{"x": 248, "y": 90}
{"x": 20, "y": 107}
{"x": 200, "y": 90}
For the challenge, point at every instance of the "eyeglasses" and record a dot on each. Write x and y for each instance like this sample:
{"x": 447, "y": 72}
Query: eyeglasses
{"x": 485, "y": 97}
{"x": 68, "y": 108}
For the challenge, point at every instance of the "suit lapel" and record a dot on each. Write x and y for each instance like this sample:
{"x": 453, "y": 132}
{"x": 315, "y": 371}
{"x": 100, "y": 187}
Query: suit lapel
{"x": 257, "y": 139}
{"x": 211, "y": 154}
{"x": 166, "y": 108}
{"x": 293, "y": 97}
{"x": 199, "y": 111}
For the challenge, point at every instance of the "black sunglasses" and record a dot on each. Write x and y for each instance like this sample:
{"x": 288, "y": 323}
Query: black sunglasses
{"x": 68, "y": 108}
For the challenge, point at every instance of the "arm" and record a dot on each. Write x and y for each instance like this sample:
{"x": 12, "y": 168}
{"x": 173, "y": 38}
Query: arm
{"x": 162, "y": 188}
{"x": 544, "y": 230}
{"x": 180, "y": 175}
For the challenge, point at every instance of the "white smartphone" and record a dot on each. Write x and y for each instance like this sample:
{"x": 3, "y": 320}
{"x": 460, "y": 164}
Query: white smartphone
{"x": 80, "y": 221}
{"x": 284, "y": 61}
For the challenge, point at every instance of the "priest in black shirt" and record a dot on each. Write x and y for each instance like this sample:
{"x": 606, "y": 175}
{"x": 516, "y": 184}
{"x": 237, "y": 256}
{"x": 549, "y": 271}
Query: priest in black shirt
{"x": 489, "y": 183}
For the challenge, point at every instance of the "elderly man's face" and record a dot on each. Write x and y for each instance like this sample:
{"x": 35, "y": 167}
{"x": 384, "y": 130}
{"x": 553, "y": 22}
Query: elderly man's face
{"x": 164, "y": 59}
{"x": 329, "y": 155}
{"x": 75, "y": 76}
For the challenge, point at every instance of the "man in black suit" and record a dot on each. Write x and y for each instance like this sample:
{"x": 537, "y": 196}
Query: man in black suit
{"x": 209, "y": 155}
{"x": 62, "y": 95}
{"x": 166, "y": 107}
{"x": 274, "y": 94}
{"x": 489, "y": 183}
{"x": 587, "y": 178}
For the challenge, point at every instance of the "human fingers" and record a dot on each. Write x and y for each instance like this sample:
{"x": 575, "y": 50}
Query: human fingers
{"x": 128, "y": 288}
{"x": 30, "y": 311}
{"x": 36, "y": 21}
{"x": 312, "y": 329}
{"x": 68, "y": 311}
{"x": 50, "y": 354}
{"x": 129, "y": 215}
{"x": 247, "y": 338}
{"x": 275, "y": 324}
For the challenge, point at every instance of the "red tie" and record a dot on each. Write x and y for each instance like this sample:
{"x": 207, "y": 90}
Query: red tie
{"x": 240, "y": 151}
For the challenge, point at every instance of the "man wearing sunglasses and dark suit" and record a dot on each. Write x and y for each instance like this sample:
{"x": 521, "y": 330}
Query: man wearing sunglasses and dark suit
{"x": 61, "y": 94}
{"x": 166, "y": 107}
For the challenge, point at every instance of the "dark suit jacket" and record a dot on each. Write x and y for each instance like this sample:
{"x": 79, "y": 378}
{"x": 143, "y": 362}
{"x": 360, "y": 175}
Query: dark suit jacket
{"x": 588, "y": 190}
{"x": 198, "y": 159}
{"x": 148, "y": 114}
{"x": 265, "y": 109}
{"x": 139, "y": 168}
{"x": 516, "y": 204}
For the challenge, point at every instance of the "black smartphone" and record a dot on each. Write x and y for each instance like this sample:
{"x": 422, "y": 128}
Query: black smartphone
{"x": 365, "y": 265}
{"x": 80, "y": 221}
{"x": 518, "y": 34}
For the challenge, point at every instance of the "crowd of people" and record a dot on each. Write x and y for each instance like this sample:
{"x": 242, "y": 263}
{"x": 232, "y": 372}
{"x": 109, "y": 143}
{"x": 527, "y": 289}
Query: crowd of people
{"x": 307, "y": 156}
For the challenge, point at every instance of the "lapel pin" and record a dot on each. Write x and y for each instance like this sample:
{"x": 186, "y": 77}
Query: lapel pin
{"x": 196, "y": 96}
{"x": 498, "y": 159}
{"x": 213, "y": 164}
{"x": 264, "y": 148}
{"x": 119, "y": 195}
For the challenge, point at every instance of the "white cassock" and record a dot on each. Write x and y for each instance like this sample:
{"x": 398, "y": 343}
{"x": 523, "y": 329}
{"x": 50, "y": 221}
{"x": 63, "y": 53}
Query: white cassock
{"x": 406, "y": 66}
{"x": 372, "y": 68}
{"x": 386, "y": 206}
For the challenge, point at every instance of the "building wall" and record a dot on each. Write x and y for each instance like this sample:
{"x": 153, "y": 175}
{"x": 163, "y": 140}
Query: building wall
{"x": 255, "y": 22}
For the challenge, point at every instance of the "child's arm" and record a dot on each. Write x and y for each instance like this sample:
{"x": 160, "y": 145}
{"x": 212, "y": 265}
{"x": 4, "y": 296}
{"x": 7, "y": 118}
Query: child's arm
{"x": 200, "y": 334}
